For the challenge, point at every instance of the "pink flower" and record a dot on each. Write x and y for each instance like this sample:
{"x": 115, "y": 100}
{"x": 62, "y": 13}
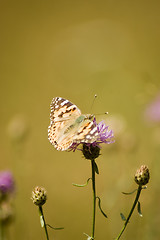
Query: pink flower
{"x": 6, "y": 182}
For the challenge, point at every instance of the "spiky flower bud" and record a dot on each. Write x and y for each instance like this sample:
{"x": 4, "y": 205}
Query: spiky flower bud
{"x": 90, "y": 152}
{"x": 142, "y": 175}
{"x": 39, "y": 196}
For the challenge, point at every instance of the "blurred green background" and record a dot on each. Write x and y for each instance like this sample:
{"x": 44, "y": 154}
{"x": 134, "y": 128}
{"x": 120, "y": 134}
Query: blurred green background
{"x": 75, "y": 49}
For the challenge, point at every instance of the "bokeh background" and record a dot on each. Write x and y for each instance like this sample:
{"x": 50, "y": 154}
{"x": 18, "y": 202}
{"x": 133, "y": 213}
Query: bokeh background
{"x": 75, "y": 49}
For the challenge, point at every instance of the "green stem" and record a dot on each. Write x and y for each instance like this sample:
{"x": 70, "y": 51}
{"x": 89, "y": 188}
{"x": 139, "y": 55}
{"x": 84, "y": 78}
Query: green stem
{"x": 130, "y": 214}
{"x": 45, "y": 226}
{"x": 1, "y": 230}
{"x": 94, "y": 198}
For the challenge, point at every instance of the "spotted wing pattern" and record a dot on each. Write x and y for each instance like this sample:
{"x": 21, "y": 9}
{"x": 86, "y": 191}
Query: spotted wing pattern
{"x": 87, "y": 132}
{"x": 64, "y": 129}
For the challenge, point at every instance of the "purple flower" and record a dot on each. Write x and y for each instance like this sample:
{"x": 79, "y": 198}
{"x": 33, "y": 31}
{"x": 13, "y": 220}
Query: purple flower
{"x": 104, "y": 136}
{"x": 152, "y": 113}
{"x": 6, "y": 182}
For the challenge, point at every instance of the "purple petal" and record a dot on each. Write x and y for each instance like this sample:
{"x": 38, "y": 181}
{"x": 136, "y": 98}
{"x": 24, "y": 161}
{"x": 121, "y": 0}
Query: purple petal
{"x": 6, "y": 182}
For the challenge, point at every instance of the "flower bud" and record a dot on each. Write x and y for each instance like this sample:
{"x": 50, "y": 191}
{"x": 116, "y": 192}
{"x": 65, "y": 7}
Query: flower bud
{"x": 90, "y": 152}
{"x": 142, "y": 175}
{"x": 39, "y": 196}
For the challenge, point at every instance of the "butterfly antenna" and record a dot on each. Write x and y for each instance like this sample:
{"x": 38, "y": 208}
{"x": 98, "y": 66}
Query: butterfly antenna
{"x": 106, "y": 113}
{"x": 95, "y": 96}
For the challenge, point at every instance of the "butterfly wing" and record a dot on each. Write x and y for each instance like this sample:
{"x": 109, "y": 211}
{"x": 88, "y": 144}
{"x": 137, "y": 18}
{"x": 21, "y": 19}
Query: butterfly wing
{"x": 87, "y": 132}
{"x": 62, "y": 109}
{"x": 63, "y": 115}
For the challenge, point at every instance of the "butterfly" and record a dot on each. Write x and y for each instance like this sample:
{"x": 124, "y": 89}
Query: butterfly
{"x": 68, "y": 125}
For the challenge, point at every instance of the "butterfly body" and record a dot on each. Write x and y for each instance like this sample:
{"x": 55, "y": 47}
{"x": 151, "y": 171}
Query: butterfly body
{"x": 68, "y": 125}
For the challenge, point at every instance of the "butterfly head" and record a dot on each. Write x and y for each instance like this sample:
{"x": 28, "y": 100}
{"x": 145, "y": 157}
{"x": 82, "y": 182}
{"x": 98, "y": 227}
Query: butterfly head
{"x": 90, "y": 116}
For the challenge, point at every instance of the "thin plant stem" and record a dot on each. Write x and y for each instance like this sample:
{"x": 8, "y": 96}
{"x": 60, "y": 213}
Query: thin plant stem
{"x": 1, "y": 230}
{"x": 94, "y": 198}
{"x": 45, "y": 226}
{"x": 130, "y": 214}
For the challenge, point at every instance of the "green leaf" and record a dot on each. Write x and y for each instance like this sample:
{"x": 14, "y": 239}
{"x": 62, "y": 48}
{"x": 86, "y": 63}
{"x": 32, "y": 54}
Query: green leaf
{"x": 122, "y": 217}
{"x": 81, "y": 185}
{"x": 41, "y": 221}
{"x": 99, "y": 205}
{"x": 139, "y": 209}
{"x": 96, "y": 167}
{"x": 130, "y": 192}
{"x": 60, "y": 228}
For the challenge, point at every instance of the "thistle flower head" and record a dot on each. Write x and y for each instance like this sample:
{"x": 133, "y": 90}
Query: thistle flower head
{"x": 104, "y": 135}
{"x": 142, "y": 175}
{"x": 6, "y": 182}
{"x": 39, "y": 196}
